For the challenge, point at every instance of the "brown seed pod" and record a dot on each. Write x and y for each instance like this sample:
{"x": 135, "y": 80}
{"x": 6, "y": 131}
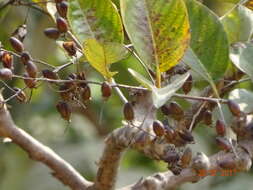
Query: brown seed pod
{"x": 158, "y": 128}
{"x": 106, "y": 90}
{"x": 223, "y": 143}
{"x": 5, "y": 74}
{"x": 49, "y": 74}
{"x": 207, "y": 117}
{"x": 186, "y": 157}
{"x": 7, "y": 60}
{"x": 128, "y": 111}
{"x": 17, "y": 45}
{"x": 31, "y": 69}
{"x": 234, "y": 108}
{"x": 166, "y": 109}
{"x": 187, "y": 86}
{"x": 227, "y": 163}
{"x": 21, "y": 97}
{"x": 62, "y": 25}
{"x": 170, "y": 134}
{"x": 25, "y": 57}
{"x": 171, "y": 157}
{"x": 62, "y": 8}
{"x": 176, "y": 108}
{"x": 186, "y": 135}
{"x": 86, "y": 93}
{"x": 65, "y": 93}
{"x": 64, "y": 109}
{"x": 70, "y": 48}
{"x": 52, "y": 33}
{"x": 220, "y": 128}
{"x": 30, "y": 83}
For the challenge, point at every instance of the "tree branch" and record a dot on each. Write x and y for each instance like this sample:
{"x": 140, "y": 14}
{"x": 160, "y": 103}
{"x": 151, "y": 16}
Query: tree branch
{"x": 62, "y": 170}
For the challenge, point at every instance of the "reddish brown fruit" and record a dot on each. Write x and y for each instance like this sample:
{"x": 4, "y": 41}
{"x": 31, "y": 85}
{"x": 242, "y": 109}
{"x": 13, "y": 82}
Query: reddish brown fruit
{"x": 62, "y": 8}
{"x": 17, "y": 45}
{"x": 30, "y": 83}
{"x": 25, "y": 57}
{"x": 65, "y": 93}
{"x": 234, "y": 108}
{"x": 170, "y": 134}
{"x": 64, "y": 109}
{"x": 52, "y": 33}
{"x": 186, "y": 157}
{"x": 21, "y": 97}
{"x": 166, "y": 109}
{"x": 62, "y": 25}
{"x": 187, "y": 85}
{"x": 7, "y": 60}
{"x": 49, "y": 74}
{"x": 227, "y": 163}
{"x": 158, "y": 128}
{"x": 223, "y": 143}
{"x": 220, "y": 128}
{"x": 106, "y": 90}
{"x": 5, "y": 74}
{"x": 186, "y": 135}
{"x": 86, "y": 93}
{"x": 31, "y": 69}
{"x": 128, "y": 111}
{"x": 70, "y": 48}
{"x": 207, "y": 117}
{"x": 171, "y": 157}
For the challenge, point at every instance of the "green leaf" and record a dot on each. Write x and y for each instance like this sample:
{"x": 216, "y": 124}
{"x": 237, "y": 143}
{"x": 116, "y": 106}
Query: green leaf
{"x": 238, "y": 24}
{"x": 102, "y": 55}
{"x": 243, "y": 98}
{"x": 209, "y": 40}
{"x": 242, "y": 56}
{"x": 97, "y": 19}
{"x": 158, "y": 29}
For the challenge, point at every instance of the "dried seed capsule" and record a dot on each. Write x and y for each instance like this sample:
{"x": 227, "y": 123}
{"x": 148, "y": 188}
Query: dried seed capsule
{"x": 70, "y": 47}
{"x": 234, "y": 108}
{"x": 187, "y": 86}
{"x": 65, "y": 93}
{"x": 220, "y": 128}
{"x": 176, "y": 108}
{"x": 52, "y": 33}
{"x": 170, "y": 134}
{"x": 16, "y": 45}
{"x": 86, "y": 93}
{"x": 21, "y": 97}
{"x": 207, "y": 117}
{"x": 200, "y": 162}
{"x": 171, "y": 157}
{"x": 227, "y": 163}
{"x": 128, "y": 111}
{"x": 49, "y": 74}
{"x": 106, "y": 90}
{"x": 31, "y": 69}
{"x": 223, "y": 143}
{"x": 62, "y": 25}
{"x": 7, "y": 60}
{"x": 186, "y": 157}
{"x": 62, "y": 8}
{"x": 5, "y": 74}
{"x": 64, "y": 109}
{"x": 158, "y": 128}
{"x": 186, "y": 135}
{"x": 166, "y": 109}
{"x": 30, "y": 83}
{"x": 25, "y": 57}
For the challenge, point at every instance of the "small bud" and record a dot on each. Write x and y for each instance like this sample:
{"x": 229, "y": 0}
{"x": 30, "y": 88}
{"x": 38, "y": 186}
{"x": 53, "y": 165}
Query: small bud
{"x": 62, "y": 8}
{"x": 186, "y": 157}
{"x": 62, "y": 25}
{"x": 220, "y": 128}
{"x": 223, "y": 143}
{"x": 158, "y": 128}
{"x": 227, "y": 163}
{"x": 7, "y": 60}
{"x": 49, "y": 74}
{"x": 186, "y": 135}
{"x": 21, "y": 97}
{"x": 5, "y": 74}
{"x": 64, "y": 109}
{"x": 86, "y": 94}
{"x": 106, "y": 90}
{"x": 52, "y": 33}
{"x": 128, "y": 111}
{"x": 170, "y": 134}
{"x": 31, "y": 69}
{"x": 30, "y": 83}
{"x": 25, "y": 57}
{"x": 16, "y": 45}
{"x": 70, "y": 47}
{"x": 234, "y": 108}
{"x": 187, "y": 86}
{"x": 207, "y": 117}
{"x": 200, "y": 162}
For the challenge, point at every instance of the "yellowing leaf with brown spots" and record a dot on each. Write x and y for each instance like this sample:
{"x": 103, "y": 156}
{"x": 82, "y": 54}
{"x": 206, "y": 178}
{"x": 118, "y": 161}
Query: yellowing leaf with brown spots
{"x": 102, "y": 55}
{"x": 158, "y": 29}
